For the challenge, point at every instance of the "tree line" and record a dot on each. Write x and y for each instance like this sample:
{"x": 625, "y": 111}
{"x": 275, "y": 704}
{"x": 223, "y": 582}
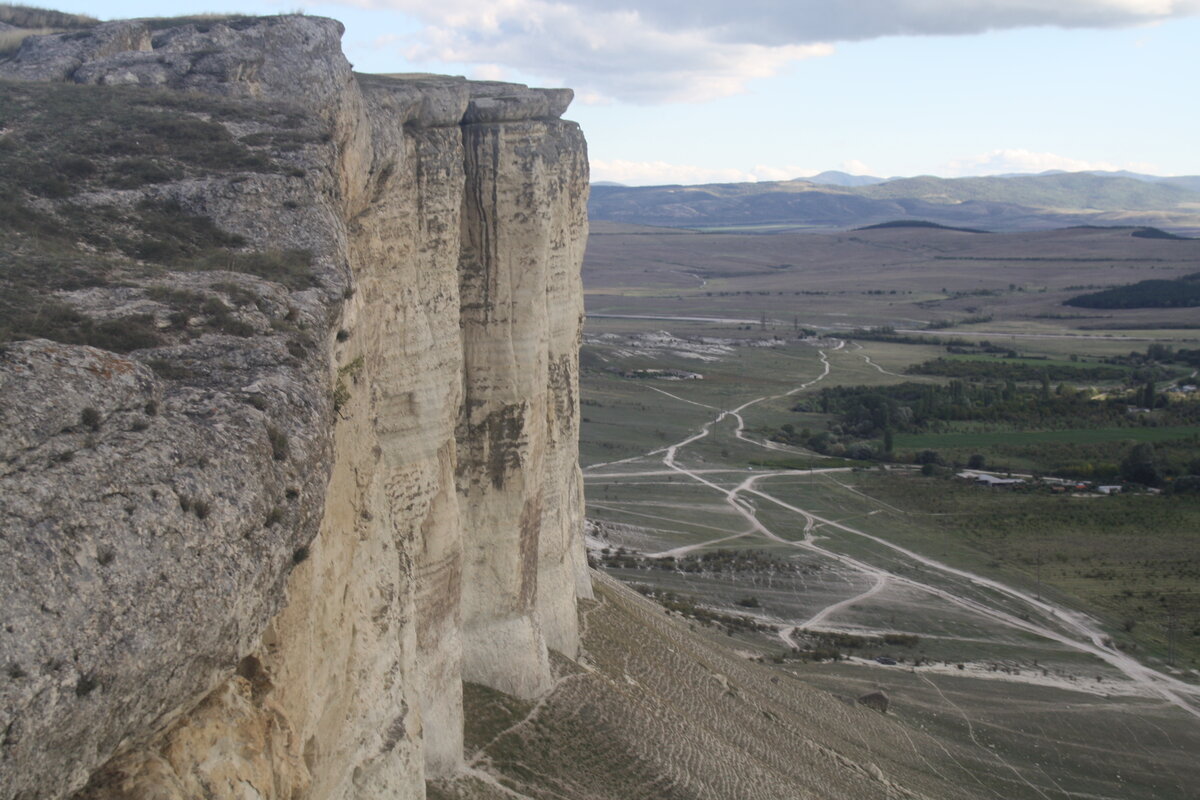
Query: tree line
{"x": 1178, "y": 293}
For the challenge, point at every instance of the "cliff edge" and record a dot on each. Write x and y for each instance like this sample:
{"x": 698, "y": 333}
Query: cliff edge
{"x": 288, "y": 411}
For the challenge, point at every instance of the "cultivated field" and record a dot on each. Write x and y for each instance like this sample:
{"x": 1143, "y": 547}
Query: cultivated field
{"x": 1052, "y": 633}
{"x": 904, "y": 277}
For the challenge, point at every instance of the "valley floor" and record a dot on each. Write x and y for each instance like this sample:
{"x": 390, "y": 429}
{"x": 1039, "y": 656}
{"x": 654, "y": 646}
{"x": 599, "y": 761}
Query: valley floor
{"x": 1018, "y": 680}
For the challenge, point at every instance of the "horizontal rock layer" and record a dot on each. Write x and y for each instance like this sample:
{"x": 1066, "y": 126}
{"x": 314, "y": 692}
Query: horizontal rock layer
{"x": 272, "y": 555}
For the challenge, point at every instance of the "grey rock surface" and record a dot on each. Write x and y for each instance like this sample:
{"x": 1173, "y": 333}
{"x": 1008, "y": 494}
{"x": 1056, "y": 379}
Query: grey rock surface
{"x": 508, "y": 102}
{"x": 56, "y": 57}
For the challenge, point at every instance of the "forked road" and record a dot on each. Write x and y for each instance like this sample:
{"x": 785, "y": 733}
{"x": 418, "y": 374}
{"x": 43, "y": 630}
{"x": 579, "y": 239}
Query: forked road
{"x": 1076, "y": 630}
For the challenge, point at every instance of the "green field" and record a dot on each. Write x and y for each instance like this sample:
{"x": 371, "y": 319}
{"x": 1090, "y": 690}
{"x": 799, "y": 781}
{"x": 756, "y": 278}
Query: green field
{"x": 938, "y": 441}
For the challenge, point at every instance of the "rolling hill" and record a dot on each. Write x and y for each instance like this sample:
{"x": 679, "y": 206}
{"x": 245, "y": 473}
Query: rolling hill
{"x": 1022, "y": 202}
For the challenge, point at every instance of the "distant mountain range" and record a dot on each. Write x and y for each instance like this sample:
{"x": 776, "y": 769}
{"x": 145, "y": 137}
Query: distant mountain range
{"x": 839, "y": 200}
{"x": 832, "y": 177}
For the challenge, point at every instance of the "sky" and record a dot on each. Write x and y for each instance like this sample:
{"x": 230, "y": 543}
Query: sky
{"x": 700, "y": 91}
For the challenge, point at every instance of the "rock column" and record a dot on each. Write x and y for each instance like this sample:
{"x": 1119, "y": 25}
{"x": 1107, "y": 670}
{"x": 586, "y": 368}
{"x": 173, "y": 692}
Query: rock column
{"x": 522, "y": 225}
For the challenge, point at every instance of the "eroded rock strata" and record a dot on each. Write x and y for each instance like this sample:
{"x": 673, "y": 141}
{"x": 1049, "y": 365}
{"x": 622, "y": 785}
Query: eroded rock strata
{"x": 256, "y": 552}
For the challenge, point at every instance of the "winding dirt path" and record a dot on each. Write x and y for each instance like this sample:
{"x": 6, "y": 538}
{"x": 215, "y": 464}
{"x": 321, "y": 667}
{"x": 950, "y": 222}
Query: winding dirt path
{"x": 1075, "y": 629}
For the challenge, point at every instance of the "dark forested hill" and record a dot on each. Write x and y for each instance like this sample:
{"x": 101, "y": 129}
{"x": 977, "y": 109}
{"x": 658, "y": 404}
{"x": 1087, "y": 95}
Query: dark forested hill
{"x": 1181, "y": 293}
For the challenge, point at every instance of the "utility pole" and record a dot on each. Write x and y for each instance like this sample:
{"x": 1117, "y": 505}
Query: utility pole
{"x": 1171, "y": 635}
{"x": 1039, "y": 575}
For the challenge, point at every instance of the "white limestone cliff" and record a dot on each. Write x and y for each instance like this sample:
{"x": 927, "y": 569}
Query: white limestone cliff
{"x": 430, "y": 491}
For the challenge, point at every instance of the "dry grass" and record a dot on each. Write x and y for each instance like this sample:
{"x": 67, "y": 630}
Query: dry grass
{"x": 32, "y": 17}
{"x": 10, "y": 41}
{"x": 667, "y": 714}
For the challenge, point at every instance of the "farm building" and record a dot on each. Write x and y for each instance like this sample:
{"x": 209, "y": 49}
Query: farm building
{"x": 990, "y": 480}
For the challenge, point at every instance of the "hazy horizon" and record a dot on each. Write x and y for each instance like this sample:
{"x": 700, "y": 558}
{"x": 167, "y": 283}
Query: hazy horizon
{"x": 885, "y": 178}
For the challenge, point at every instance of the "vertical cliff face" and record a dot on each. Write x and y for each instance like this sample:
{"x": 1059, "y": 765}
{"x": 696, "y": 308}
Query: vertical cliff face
{"x": 522, "y": 237}
{"x": 392, "y": 495}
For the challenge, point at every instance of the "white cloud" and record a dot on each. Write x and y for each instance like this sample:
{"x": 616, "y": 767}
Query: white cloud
{"x": 999, "y": 162}
{"x": 764, "y": 172}
{"x": 855, "y": 167}
{"x": 658, "y": 173}
{"x": 605, "y": 54}
{"x": 651, "y": 51}
{"x": 593, "y": 99}
{"x": 489, "y": 72}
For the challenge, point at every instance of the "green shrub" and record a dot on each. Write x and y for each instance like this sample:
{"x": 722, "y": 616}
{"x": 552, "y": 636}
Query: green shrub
{"x": 201, "y": 508}
{"x": 77, "y": 166}
{"x": 90, "y": 418}
{"x": 341, "y": 395}
{"x": 25, "y": 318}
{"x": 85, "y": 685}
{"x": 901, "y": 639}
{"x": 291, "y": 268}
{"x": 172, "y": 370}
{"x": 279, "y": 443}
{"x": 132, "y": 173}
{"x": 136, "y": 332}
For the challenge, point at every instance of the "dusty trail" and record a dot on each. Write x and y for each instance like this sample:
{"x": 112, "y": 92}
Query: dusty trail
{"x": 678, "y": 552}
{"x": 719, "y": 320}
{"x": 739, "y": 431}
{"x": 881, "y": 581}
{"x": 867, "y": 358}
{"x": 682, "y": 399}
{"x": 1170, "y": 689}
{"x": 1078, "y": 631}
{"x": 613, "y": 463}
{"x": 658, "y": 473}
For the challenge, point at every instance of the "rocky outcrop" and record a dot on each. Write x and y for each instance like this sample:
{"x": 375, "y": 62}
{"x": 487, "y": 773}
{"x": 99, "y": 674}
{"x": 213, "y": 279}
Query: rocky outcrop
{"x": 256, "y": 554}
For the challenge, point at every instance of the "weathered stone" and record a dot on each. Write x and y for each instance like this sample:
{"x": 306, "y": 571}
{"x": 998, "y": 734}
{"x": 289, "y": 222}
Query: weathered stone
{"x": 508, "y": 102}
{"x": 57, "y": 56}
{"x": 263, "y": 571}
